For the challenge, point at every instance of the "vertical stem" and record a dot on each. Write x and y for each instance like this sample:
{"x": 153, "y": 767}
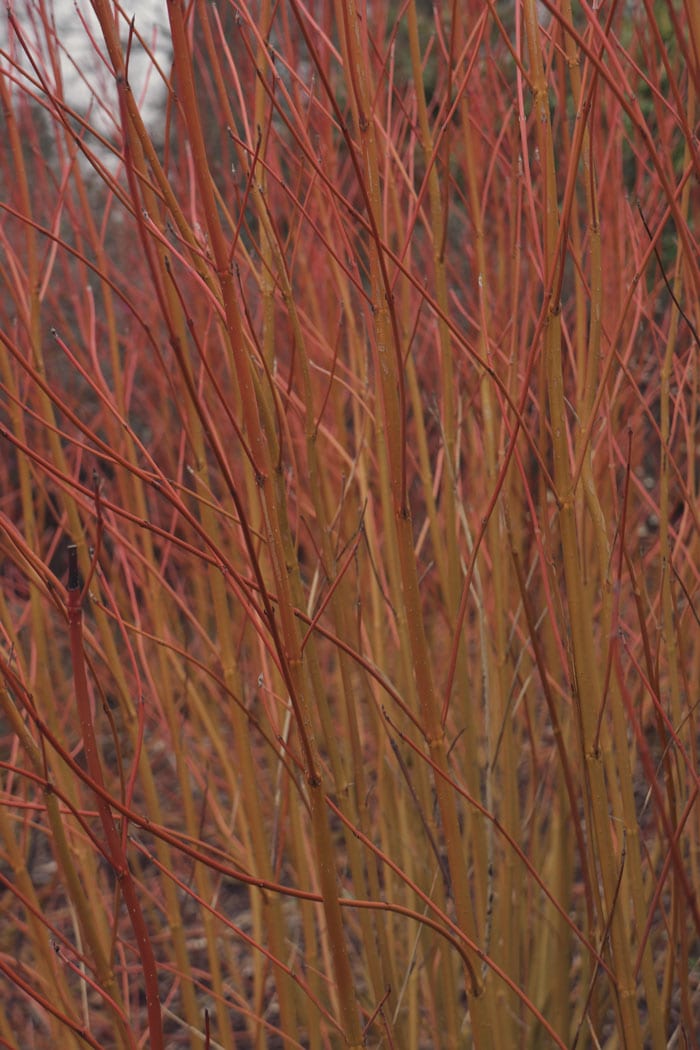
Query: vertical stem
{"x": 287, "y": 640}
{"x": 389, "y": 372}
{"x": 586, "y": 684}
{"x": 115, "y": 850}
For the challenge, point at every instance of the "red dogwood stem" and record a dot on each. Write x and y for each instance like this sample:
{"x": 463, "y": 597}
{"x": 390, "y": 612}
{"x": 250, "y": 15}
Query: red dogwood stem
{"x": 115, "y": 850}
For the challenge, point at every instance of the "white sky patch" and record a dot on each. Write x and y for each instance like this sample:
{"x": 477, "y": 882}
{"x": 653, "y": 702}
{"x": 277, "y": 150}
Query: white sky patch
{"x": 84, "y": 74}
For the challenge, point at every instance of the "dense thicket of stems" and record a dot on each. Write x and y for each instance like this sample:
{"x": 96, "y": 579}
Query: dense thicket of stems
{"x": 349, "y": 623}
